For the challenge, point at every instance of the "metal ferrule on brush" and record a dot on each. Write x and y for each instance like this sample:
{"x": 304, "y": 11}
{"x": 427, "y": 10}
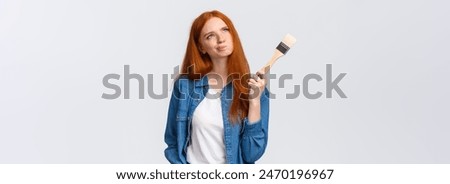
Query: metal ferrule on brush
{"x": 283, "y": 48}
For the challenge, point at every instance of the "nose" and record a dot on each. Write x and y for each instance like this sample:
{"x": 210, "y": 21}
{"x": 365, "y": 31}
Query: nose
{"x": 220, "y": 38}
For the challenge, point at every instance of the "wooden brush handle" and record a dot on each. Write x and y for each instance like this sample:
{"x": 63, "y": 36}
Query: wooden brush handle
{"x": 265, "y": 69}
{"x": 284, "y": 46}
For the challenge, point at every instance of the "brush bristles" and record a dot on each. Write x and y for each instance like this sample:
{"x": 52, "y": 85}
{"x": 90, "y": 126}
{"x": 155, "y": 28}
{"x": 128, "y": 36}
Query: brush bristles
{"x": 287, "y": 42}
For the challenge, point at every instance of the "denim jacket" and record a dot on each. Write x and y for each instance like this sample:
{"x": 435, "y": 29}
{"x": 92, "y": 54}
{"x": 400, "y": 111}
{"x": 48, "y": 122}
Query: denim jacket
{"x": 244, "y": 142}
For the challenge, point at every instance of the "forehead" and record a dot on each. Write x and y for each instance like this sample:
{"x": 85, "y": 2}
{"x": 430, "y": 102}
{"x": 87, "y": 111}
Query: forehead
{"x": 213, "y": 24}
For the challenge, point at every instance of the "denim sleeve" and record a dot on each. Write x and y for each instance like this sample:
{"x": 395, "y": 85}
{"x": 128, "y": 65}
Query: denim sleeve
{"x": 170, "y": 136}
{"x": 254, "y": 138}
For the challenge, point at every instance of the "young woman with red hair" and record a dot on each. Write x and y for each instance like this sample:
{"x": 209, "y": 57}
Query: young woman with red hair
{"x": 217, "y": 112}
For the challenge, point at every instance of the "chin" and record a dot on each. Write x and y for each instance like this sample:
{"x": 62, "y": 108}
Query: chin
{"x": 227, "y": 53}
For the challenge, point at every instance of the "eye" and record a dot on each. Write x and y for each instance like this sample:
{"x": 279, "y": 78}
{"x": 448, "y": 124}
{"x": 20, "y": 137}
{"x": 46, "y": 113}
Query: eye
{"x": 209, "y": 36}
{"x": 225, "y": 29}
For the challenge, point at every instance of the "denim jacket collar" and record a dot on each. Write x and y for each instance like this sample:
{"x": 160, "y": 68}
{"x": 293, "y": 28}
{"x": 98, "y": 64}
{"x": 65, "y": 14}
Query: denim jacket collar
{"x": 201, "y": 82}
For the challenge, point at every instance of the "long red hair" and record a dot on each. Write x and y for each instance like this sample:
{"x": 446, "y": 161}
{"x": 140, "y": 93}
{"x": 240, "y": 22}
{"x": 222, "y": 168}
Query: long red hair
{"x": 197, "y": 65}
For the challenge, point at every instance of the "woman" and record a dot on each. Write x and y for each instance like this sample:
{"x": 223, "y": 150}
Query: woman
{"x": 217, "y": 113}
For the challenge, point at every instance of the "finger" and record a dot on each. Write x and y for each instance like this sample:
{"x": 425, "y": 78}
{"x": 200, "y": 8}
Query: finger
{"x": 261, "y": 74}
{"x": 260, "y": 81}
{"x": 253, "y": 85}
{"x": 254, "y": 76}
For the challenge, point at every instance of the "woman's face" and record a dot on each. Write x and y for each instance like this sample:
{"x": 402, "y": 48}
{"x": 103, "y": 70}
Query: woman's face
{"x": 215, "y": 39}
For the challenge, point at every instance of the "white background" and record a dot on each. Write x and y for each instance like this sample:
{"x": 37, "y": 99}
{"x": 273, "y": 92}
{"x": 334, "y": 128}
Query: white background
{"x": 54, "y": 55}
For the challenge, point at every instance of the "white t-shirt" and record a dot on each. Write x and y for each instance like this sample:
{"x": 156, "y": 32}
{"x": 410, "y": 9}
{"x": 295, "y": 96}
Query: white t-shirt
{"x": 207, "y": 142}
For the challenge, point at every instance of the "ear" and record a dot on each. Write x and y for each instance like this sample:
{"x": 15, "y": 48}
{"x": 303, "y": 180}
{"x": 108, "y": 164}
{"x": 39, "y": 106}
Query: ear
{"x": 200, "y": 48}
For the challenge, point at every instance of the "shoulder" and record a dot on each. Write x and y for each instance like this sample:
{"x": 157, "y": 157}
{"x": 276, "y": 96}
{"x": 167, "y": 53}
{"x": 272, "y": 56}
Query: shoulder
{"x": 182, "y": 83}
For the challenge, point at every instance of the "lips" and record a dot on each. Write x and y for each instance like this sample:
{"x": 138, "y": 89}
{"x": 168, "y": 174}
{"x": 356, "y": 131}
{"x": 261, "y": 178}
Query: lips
{"x": 221, "y": 48}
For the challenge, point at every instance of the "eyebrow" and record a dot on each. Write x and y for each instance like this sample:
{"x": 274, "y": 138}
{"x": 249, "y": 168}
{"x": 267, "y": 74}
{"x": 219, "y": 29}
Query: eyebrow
{"x": 208, "y": 33}
{"x": 213, "y": 31}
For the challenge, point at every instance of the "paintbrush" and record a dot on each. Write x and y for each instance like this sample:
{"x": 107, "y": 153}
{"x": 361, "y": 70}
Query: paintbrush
{"x": 281, "y": 50}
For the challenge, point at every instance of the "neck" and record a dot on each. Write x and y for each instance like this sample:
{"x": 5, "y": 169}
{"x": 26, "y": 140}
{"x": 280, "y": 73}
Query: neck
{"x": 220, "y": 67}
{"x": 219, "y": 72}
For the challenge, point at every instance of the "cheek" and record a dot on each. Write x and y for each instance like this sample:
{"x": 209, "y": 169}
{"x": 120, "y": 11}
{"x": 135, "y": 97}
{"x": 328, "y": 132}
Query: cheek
{"x": 204, "y": 46}
{"x": 207, "y": 45}
{"x": 230, "y": 38}
{"x": 231, "y": 44}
